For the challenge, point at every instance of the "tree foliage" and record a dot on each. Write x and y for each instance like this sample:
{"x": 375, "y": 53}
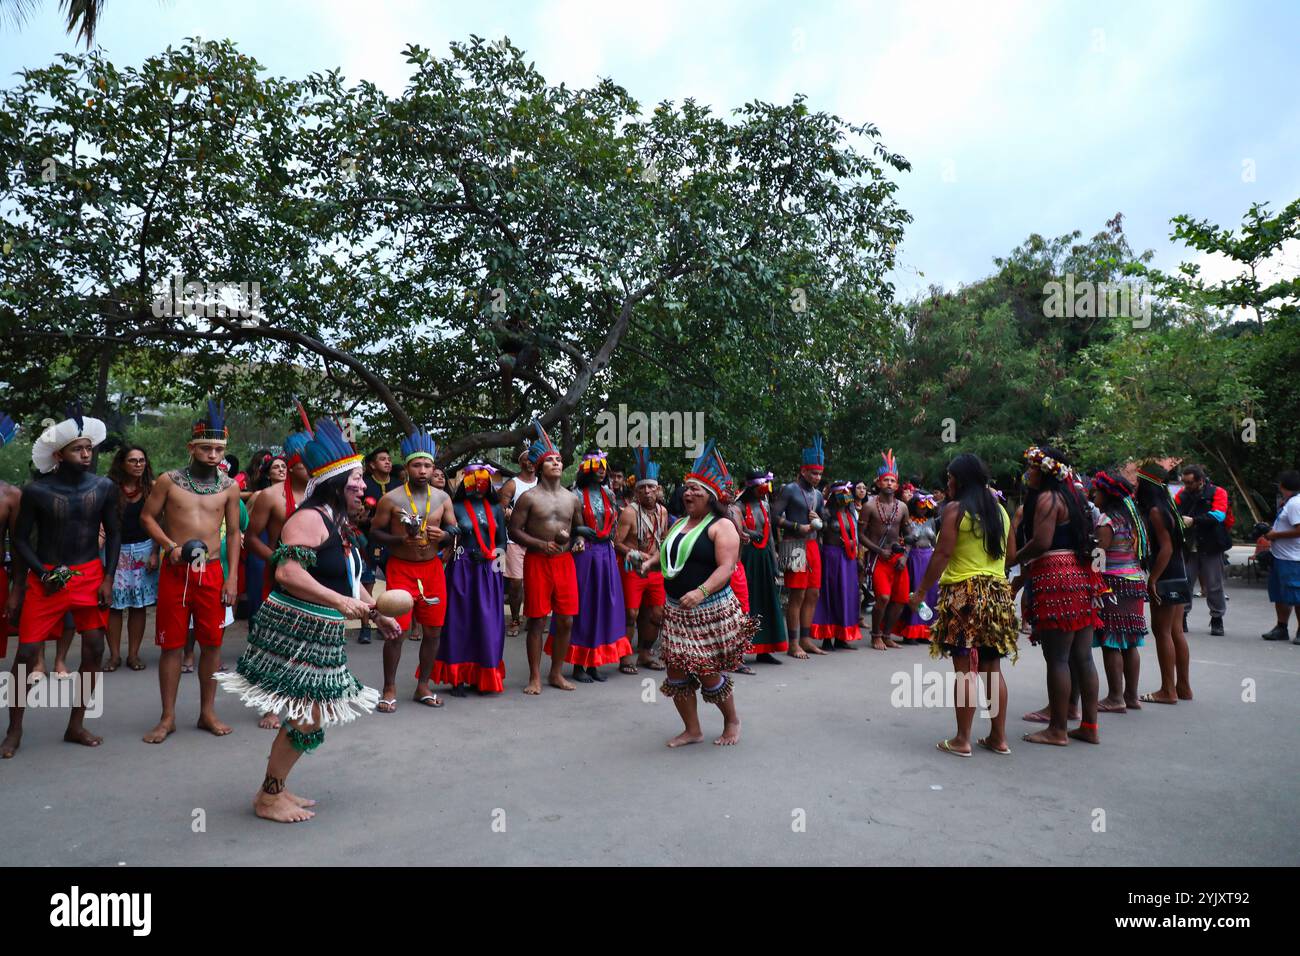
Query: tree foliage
{"x": 483, "y": 248}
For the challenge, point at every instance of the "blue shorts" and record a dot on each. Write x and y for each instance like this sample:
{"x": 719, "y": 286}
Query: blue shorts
{"x": 1284, "y": 582}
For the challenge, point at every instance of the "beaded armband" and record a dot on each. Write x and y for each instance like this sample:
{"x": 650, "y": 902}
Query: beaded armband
{"x": 306, "y": 743}
{"x": 294, "y": 552}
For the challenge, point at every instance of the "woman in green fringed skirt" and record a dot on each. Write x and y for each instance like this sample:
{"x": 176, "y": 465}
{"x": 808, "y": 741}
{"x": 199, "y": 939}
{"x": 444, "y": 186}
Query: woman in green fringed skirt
{"x": 295, "y": 664}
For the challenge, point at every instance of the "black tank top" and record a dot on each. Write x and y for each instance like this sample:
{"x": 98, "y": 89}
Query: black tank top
{"x": 700, "y": 565}
{"x": 331, "y": 568}
{"x": 132, "y": 531}
{"x": 1063, "y": 536}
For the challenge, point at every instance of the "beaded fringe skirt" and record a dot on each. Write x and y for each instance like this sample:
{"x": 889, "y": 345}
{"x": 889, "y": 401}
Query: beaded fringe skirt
{"x": 712, "y": 637}
{"x": 295, "y": 662}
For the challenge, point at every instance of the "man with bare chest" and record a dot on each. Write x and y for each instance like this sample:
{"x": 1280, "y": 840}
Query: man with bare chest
{"x": 544, "y": 521}
{"x": 272, "y": 507}
{"x": 641, "y": 529}
{"x": 183, "y": 516}
{"x": 882, "y": 518}
{"x": 65, "y": 508}
{"x": 409, "y": 523}
{"x": 9, "y": 499}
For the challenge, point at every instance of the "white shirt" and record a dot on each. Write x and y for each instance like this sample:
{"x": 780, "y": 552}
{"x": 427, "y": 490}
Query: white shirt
{"x": 1288, "y": 518}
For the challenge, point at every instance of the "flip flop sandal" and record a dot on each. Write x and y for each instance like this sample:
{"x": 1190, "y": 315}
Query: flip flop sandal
{"x": 628, "y": 669}
{"x": 653, "y": 665}
{"x": 137, "y": 666}
{"x": 743, "y": 669}
{"x": 1035, "y": 718}
{"x": 187, "y": 668}
{"x": 984, "y": 742}
{"x": 1151, "y": 698}
{"x": 946, "y": 747}
{"x": 390, "y": 709}
{"x": 110, "y": 667}
{"x": 430, "y": 700}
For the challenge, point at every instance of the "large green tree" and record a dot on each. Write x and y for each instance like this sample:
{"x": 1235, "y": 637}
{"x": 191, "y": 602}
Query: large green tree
{"x": 483, "y": 248}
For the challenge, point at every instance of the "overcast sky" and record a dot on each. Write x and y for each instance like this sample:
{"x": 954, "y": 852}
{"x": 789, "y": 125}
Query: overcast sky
{"x": 1017, "y": 117}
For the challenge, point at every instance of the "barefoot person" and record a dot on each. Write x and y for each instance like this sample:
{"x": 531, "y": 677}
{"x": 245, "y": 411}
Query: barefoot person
{"x": 795, "y": 513}
{"x": 10, "y": 589}
{"x": 272, "y": 507}
{"x": 706, "y": 633}
{"x": 135, "y": 586}
{"x": 511, "y": 492}
{"x": 758, "y": 556}
{"x": 296, "y": 663}
{"x": 975, "y": 617}
{"x": 1167, "y": 586}
{"x": 409, "y": 523}
{"x": 835, "y": 620}
{"x": 1122, "y": 534}
{"x": 1062, "y": 592}
{"x": 183, "y": 516}
{"x": 882, "y": 520}
{"x": 470, "y": 653}
{"x": 543, "y": 522}
{"x": 599, "y": 632}
{"x": 641, "y": 529}
{"x": 65, "y": 507}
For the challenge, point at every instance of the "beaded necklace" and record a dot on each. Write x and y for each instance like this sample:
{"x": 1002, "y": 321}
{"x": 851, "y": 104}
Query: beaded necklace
{"x": 648, "y": 527}
{"x": 428, "y": 503}
{"x": 215, "y": 485}
{"x": 849, "y": 535}
{"x": 487, "y": 547}
{"x": 751, "y": 524}
{"x": 671, "y": 567}
{"x": 589, "y": 515}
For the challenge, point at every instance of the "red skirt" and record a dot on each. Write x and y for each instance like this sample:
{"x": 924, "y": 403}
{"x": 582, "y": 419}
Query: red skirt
{"x": 1063, "y": 593}
{"x": 740, "y": 585}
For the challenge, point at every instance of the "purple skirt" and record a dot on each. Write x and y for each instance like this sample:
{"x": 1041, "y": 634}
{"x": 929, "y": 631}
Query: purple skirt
{"x": 909, "y": 623}
{"x": 836, "y": 614}
{"x": 599, "y": 634}
{"x": 474, "y": 633}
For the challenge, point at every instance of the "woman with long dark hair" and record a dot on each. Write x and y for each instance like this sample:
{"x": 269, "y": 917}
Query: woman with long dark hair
{"x": 470, "y": 653}
{"x": 273, "y": 471}
{"x": 1063, "y": 589}
{"x": 1122, "y": 534}
{"x": 295, "y": 664}
{"x": 1167, "y": 586}
{"x": 974, "y": 616}
{"x": 253, "y": 474}
{"x": 135, "y": 585}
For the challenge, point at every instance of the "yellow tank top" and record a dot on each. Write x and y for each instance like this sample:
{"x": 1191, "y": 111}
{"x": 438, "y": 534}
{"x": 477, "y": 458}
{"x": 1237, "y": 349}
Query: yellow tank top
{"x": 969, "y": 558}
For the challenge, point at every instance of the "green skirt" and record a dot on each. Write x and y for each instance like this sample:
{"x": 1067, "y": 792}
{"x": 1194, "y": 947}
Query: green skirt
{"x": 295, "y": 662}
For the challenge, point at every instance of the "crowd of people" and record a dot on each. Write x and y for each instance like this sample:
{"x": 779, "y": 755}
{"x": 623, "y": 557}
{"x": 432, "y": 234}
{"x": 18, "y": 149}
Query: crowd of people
{"x": 715, "y": 576}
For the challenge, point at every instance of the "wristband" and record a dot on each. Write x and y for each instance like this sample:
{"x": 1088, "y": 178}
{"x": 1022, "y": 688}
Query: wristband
{"x": 703, "y": 590}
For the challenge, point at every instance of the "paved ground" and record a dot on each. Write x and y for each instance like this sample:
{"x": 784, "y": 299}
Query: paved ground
{"x": 585, "y": 778}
